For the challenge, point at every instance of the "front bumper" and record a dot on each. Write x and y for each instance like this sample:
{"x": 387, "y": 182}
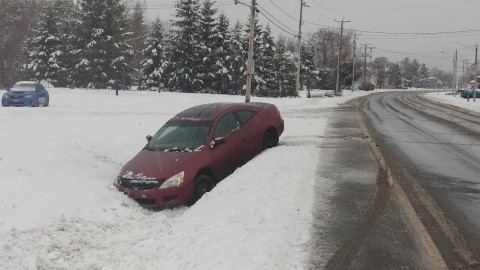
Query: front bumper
{"x": 158, "y": 198}
{"x": 17, "y": 102}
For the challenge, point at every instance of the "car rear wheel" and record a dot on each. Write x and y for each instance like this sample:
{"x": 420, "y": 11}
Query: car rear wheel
{"x": 203, "y": 184}
{"x": 270, "y": 139}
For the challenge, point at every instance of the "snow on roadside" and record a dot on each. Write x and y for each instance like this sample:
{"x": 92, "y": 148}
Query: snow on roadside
{"x": 58, "y": 209}
{"x": 446, "y": 97}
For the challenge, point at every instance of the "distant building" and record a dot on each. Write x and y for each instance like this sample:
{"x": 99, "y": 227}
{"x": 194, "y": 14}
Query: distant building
{"x": 432, "y": 83}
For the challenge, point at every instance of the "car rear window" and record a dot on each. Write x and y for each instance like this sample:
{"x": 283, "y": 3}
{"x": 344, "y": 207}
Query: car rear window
{"x": 245, "y": 116}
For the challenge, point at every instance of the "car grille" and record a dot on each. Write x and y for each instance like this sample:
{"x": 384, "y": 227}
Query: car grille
{"x": 146, "y": 202}
{"x": 138, "y": 184}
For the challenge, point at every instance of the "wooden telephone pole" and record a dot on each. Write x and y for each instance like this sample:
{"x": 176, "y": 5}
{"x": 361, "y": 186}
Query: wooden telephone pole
{"x": 476, "y": 74}
{"x": 250, "y": 51}
{"x": 337, "y": 92}
{"x": 365, "y": 68}
{"x": 352, "y": 88}
{"x": 299, "y": 48}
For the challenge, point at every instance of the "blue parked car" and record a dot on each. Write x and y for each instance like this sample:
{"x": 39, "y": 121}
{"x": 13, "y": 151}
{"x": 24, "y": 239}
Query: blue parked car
{"x": 469, "y": 94}
{"x": 26, "y": 94}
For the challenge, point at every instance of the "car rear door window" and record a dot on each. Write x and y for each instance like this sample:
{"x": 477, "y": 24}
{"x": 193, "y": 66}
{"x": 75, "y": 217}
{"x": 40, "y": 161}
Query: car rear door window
{"x": 245, "y": 116}
{"x": 226, "y": 125}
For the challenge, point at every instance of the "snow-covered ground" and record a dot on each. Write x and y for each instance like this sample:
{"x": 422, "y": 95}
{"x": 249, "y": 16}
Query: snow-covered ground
{"x": 446, "y": 97}
{"x": 59, "y": 210}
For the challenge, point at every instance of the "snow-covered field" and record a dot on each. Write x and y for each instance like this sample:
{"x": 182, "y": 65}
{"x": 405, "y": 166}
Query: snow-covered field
{"x": 58, "y": 209}
{"x": 446, "y": 97}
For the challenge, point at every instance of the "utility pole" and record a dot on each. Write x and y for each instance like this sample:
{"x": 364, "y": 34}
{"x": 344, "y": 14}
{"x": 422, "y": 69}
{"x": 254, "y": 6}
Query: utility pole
{"x": 353, "y": 62}
{"x": 455, "y": 72}
{"x": 476, "y": 74}
{"x": 299, "y": 48}
{"x": 370, "y": 73}
{"x": 365, "y": 68}
{"x": 250, "y": 52}
{"x": 337, "y": 92}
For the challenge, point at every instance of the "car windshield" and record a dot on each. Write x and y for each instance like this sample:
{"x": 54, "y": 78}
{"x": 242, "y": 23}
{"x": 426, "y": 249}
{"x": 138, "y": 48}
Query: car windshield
{"x": 23, "y": 87}
{"x": 180, "y": 136}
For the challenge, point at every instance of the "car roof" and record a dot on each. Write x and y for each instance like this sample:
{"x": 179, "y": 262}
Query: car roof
{"x": 212, "y": 110}
{"x": 26, "y": 82}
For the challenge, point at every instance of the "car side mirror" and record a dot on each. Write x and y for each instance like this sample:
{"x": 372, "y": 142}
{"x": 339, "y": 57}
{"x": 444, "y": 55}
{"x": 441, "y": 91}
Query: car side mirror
{"x": 149, "y": 138}
{"x": 217, "y": 141}
{"x": 8, "y": 89}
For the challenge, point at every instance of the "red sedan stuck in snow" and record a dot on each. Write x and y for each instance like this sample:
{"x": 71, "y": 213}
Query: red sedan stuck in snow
{"x": 196, "y": 149}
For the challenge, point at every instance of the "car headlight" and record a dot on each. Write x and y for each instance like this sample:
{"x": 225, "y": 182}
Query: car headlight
{"x": 173, "y": 181}
{"x": 117, "y": 180}
{"x": 28, "y": 96}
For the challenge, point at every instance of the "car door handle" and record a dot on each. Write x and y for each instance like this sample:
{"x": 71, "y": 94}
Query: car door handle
{"x": 243, "y": 139}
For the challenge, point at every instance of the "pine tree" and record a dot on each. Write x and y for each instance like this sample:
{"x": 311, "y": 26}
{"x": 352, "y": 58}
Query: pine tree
{"x": 102, "y": 48}
{"x": 286, "y": 69}
{"x": 152, "y": 65}
{"x": 137, "y": 29}
{"x": 237, "y": 63}
{"x": 307, "y": 67}
{"x": 223, "y": 46}
{"x": 423, "y": 76}
{"x": 186, "y": 55}
{"x": 265, "y": 65}
{"x": 395, "y": 75}
{"x": 69, "y": 21}
{"x": 44, "y": 48}
{"x": 209, "y": 44}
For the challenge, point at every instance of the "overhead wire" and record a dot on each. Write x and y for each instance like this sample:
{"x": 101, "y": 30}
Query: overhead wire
{"x": 407, "y": 7}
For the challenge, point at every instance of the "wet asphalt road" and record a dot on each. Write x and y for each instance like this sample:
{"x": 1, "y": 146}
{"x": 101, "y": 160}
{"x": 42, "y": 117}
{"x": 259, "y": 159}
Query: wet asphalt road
{"x": 421, "y": 210}
{"x": 433, "y": 152}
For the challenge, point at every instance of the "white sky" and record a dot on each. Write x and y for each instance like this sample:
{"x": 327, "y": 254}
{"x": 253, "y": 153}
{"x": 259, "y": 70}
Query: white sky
{"x": 406, "y": 16}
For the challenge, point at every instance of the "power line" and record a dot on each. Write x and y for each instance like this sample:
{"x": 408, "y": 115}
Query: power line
{"x": 407, "y": 7}
{"x": 263, "y": 10}
{"x": 284, "y": 12}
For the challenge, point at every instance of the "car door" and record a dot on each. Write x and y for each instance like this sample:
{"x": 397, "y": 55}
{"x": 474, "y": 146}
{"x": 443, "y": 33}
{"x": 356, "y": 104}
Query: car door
{"x": 248, "y": 146}
{"x": 225, "y": 159}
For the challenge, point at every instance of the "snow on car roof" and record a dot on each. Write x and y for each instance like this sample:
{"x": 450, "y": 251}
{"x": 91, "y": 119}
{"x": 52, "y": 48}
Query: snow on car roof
{"x": 26, "y": 82}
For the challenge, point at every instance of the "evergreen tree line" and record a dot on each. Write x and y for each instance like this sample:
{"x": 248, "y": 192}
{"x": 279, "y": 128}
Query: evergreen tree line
{"x": 101, "y": 43}
{"x": 106, "y": 43}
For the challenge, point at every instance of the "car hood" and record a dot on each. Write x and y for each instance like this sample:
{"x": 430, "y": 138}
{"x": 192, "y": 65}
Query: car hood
{"x": 19, "y": 92}
{"x": 156, "y": 164}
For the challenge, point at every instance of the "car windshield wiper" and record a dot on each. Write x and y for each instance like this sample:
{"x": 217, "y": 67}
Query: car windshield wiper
{"x": 175, "y": 149}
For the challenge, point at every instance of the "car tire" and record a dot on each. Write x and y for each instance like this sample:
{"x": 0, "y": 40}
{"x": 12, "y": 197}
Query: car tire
{"x": 47, "y": 102}
{"x": 270, "y": 139}
{"x": 35, "y": 103}
{"x": 203, "y": 184}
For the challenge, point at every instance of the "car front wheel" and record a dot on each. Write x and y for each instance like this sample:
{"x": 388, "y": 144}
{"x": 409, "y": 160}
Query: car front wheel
{"x": 270, "y": 139}
{"x": 203, "y": 184}
{"x": 35, "y": 103}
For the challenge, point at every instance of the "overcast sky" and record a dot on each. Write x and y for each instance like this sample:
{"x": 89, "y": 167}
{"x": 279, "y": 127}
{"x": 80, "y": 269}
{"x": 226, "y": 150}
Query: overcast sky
{"x": 386, "y": 16}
